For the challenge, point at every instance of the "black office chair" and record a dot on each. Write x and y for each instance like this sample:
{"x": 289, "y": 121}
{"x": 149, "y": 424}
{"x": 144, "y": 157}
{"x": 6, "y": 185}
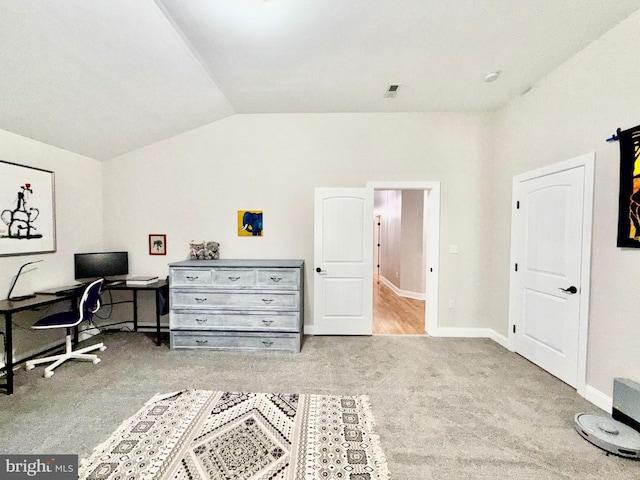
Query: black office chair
{"x": 89, "y": 304}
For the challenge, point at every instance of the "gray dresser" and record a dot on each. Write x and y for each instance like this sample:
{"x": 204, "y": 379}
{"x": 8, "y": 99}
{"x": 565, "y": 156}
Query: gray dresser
{"x": 237, "y": 304}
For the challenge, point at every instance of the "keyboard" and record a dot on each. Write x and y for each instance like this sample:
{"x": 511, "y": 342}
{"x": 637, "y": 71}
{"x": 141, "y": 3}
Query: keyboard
{"x": 61, "y": 291}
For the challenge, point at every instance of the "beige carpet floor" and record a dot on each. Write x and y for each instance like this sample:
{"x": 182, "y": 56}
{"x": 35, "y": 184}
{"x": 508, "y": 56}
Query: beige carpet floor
{"x": 444, "y": 408}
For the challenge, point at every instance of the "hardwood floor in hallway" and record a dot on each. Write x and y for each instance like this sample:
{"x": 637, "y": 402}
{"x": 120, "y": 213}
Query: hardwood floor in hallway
{"x": 393, "y": 314}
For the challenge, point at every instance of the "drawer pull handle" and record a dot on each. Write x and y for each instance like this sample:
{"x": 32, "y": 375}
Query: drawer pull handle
{"x": 200, "y": 300}
{"x": 191, "y": 279}
{"x": 234, "y": 279}
{"x": 267, "y": 300}
{"x": 267, "y": 322}
{"x": 275, "y": 279}
{"x": 202, "y": 320}
{"x": 202, "y": 342}
{"x": 267, "y": 343}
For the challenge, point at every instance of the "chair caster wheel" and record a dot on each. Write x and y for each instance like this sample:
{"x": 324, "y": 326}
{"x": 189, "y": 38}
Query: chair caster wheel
{"x": 96, "y": 361}
{"x": 29, "y": 367}
{"x": 48, "y": 374}
{"x": 102, "y": 348}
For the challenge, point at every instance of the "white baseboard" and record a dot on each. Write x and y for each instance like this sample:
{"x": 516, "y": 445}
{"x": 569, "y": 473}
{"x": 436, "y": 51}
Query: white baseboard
{"x": 598, "y": 398}
{"x": 500, "y": 339}
{"x": 472, "y": 333}
{"x": 460, "y": 332}
{"x": 454, "y": 333}
{"x": 402, "y": 293}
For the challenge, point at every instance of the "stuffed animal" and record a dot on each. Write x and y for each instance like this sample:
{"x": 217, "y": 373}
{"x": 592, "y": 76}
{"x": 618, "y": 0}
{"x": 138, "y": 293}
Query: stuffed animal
{"x": 196, "y": 249}
{"x": 201, "y": 250}
{"x": 212, "y": 251}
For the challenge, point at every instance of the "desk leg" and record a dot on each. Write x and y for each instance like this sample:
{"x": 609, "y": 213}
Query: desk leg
{"x": 76, "y": 311}
{"x": 157, "y": 317}
{"x": 135, "y": 310}
{"x": 8, "y": 352}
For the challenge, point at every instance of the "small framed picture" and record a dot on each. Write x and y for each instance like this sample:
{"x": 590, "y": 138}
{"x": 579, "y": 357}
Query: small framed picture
{"x": 250, "y": 223}
{"x": 157, "y": 244}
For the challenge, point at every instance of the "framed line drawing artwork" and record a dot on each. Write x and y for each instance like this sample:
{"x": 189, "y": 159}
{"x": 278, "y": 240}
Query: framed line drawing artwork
{"x": 27, "y": 210}
{"x": 157, "y": 244}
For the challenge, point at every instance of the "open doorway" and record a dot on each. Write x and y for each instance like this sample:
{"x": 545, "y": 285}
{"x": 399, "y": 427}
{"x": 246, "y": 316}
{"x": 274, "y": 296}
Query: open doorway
{"x": 399, "y": 280}
{"x": 406, "y": 252}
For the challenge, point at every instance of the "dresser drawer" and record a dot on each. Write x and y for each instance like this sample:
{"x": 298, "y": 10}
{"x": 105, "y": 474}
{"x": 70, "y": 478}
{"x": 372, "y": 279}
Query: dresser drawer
{"x": 233, "y": 300}
{"x": 234, "y": 278}
{"x": 235, "y": 341}
{"x": 187, "y": 276}
{"x": 242, "y": 304}
{"x": 203, "y": 320}
{"x": 284, "y": 278}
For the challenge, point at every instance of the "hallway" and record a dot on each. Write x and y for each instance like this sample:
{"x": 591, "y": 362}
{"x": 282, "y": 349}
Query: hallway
{"x": 393, "y": 314}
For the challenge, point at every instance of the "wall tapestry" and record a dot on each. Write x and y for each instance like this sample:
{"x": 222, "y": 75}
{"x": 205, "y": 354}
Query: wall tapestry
{"x": 629, "y": 201}
{"x": 250, "y": 223}
{"x": 27, "y": 210}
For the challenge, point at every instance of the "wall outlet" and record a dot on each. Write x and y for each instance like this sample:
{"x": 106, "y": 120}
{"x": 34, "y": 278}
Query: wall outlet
{"x": 451, "y": 304}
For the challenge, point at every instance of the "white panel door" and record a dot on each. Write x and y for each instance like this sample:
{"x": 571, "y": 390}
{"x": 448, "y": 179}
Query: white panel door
{"x": 548, "y": 249}
{"x": 343, "y": 273}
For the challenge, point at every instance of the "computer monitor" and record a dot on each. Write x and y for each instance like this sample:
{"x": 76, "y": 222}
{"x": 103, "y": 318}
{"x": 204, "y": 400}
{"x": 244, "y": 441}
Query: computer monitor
{"x": 100, "y": 264}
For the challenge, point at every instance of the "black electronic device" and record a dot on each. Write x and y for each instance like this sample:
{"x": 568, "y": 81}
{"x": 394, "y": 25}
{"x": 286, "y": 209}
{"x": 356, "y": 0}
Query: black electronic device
{"x": 63, "y": 290}
{"x": 62, "y": 293}
{"x": 100, "y": 265}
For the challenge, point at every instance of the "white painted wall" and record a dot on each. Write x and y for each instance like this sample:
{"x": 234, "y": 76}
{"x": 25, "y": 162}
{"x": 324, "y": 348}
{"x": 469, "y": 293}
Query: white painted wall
{"x": 411, "y": 244}
{"x": 191, "y": 186}
{"x": 79, "y": 225}
{"x": 570, "y": 112}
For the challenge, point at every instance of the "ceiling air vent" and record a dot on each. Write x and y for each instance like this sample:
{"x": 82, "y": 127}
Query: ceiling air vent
{"x": 392, "y": 90}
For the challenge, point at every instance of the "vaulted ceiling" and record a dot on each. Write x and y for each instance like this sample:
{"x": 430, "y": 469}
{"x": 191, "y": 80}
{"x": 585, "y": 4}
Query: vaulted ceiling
{"x": 104, "y": 77}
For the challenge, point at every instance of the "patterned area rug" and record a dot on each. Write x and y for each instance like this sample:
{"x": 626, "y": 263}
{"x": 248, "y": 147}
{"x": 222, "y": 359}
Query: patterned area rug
{"x": 199, "y": 434}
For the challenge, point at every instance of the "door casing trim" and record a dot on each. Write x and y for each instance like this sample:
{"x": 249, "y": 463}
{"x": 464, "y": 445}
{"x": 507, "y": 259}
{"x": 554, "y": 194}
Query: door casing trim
{"x": 431, "y": 231}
